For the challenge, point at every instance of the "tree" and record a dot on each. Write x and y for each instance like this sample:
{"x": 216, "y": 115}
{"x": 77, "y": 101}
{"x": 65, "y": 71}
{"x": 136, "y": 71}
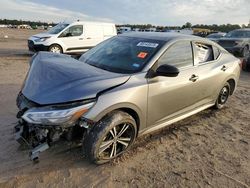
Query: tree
{"x": 243, "y": 26}
{"x": 187, "y": 25}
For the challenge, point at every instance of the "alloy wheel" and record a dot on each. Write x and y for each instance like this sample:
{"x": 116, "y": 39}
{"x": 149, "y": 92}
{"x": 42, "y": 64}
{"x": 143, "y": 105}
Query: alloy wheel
{"x": 224, "y": 95}
{"x": 55, "y": 49}
{"x": 116, "y": 141}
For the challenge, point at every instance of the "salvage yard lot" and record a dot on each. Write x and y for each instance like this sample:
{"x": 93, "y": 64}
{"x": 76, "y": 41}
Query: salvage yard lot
{"x": 210, "y": 149}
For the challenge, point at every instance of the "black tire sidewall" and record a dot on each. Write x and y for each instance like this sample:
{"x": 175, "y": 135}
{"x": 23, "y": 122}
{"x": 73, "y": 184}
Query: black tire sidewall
{"x": 247, "y": 68}
{"x": 217, "y": 104}
{"x": 95, "y": 137}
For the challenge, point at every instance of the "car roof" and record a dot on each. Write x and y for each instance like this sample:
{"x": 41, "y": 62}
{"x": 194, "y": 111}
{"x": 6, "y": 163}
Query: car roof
{"x": 164, "y": 36}
{"x": 89, "y": 22}
{"x": 168, "y": 36}
{"x": 245, "y": 29}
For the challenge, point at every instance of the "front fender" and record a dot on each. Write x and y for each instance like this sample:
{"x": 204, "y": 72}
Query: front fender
{"x": 131, "y": 95}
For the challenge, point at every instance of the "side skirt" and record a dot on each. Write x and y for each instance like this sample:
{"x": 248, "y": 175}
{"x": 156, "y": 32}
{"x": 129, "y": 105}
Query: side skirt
{"x": 171, "y": 121}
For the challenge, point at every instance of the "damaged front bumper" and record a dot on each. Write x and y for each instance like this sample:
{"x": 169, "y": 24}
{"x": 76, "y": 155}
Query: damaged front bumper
{"x": 37, "y": 139}
{"x": 40, "y": 138}
{"x": 40, "y": 126}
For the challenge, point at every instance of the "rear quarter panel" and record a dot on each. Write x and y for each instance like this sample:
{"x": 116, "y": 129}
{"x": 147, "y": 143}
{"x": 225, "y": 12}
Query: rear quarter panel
{"x": 233, "y": 70}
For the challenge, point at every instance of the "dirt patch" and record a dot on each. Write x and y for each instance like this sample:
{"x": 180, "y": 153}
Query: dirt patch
{"x": 16, "y": 43}
{"x": 210, "y": 149}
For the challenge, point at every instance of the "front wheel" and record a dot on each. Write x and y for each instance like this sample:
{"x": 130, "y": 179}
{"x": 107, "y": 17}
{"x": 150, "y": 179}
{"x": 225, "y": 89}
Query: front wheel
{"x": 55, "y": 48}
{"x": 223, "y": 96}
{"x": 111, "y": 137}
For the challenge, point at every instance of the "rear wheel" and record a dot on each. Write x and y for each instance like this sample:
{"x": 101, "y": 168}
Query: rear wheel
{"x": 110, "y": 138}
{"x": 55, "y": 48}
{"x": 223, "y": 96}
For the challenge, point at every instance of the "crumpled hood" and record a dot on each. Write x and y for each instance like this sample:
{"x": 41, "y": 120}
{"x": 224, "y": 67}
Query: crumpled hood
{"x": 56, "y": 78}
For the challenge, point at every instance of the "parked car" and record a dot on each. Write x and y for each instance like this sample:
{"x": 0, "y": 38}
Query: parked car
{"x": 127, "y": 86}
{"x": 121, "y": 30}
{"x": 216, "y": 36}
{"x": 237, "y": 42}
{"x": 72, "y": 37}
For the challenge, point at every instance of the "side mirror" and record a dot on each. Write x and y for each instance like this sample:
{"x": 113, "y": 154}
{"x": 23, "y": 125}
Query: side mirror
{"x": 167, "y": 70}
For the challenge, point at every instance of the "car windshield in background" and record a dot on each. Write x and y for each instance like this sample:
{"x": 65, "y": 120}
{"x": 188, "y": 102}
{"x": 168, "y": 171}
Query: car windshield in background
{"x": 238, "y": 34}
{"x": 58, "y": 28}
{"x": 214, "y": 36}
{"x": 122, "y": 54}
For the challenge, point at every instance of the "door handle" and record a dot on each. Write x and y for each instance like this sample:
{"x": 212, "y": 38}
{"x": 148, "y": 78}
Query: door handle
{"x": 80, "y": 38}
{"x": 194, "y": 78}
{"x": 89, "y": 38}
{"x": 224, "y": 68}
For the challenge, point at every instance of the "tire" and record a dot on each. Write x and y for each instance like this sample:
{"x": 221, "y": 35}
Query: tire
{"x": 55, "y": 48}
{"x": 245, "y": 52}
{"x": 248, "y": 64}
{"x": 223, "y": 96}
{"x": 111, "y": 137}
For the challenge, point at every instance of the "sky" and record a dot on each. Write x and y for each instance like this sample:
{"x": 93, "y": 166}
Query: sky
{"x": 158, "y": 12}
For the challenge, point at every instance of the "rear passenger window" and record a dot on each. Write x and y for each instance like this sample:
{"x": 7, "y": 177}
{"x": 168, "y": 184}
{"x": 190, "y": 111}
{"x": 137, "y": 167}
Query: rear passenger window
{"x": 205, "y": 52}
{"x": 179, "y": 55}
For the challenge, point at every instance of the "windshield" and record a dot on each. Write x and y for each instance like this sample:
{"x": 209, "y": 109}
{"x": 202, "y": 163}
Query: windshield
{"x": 238, "y": 34}
{"x": 58, "y": 28}
{"x": 122, "y": 54}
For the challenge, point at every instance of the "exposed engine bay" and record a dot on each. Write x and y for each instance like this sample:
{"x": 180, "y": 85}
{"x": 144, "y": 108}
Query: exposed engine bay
{"x": 39, "y": 138}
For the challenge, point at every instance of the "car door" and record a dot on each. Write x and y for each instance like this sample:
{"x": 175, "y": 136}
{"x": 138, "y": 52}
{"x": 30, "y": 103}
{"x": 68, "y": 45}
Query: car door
{"x": 169, "y": 97}
{"x": 211, "y": 69}
{"x": 72, "y": 38}
{"x": 93, "y": 35}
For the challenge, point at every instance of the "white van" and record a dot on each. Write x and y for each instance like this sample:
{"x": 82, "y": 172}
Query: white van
{"x": 72, "y": 38}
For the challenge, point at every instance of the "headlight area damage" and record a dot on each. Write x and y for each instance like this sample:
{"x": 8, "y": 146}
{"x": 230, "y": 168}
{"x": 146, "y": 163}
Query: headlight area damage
{"x": 57, "y": 92}
{"x": 39, "y": 126}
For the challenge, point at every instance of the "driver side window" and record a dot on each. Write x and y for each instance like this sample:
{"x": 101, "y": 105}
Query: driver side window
{"x": 179, "y": 55}
{"x": 73, "y": 31}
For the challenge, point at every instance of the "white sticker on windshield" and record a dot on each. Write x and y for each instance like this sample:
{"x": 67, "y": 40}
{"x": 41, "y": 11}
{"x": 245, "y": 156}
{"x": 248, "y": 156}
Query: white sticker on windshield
{"x": 136, "y": 65}
{"x": 148, "y": 44}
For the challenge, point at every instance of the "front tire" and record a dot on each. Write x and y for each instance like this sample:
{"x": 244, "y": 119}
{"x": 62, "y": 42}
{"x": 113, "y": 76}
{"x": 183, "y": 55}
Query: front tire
{"x": 111, "y": 137}
{"x": 55, "y": 48}
{"x": 223, "y": 96}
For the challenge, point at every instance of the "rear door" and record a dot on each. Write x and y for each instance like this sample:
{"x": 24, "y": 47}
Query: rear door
{"x": 93, "y": 35}
{"x": 169, "y": 97}
{"x": 211, "y": 70}
{"x": 108, "y": 31}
